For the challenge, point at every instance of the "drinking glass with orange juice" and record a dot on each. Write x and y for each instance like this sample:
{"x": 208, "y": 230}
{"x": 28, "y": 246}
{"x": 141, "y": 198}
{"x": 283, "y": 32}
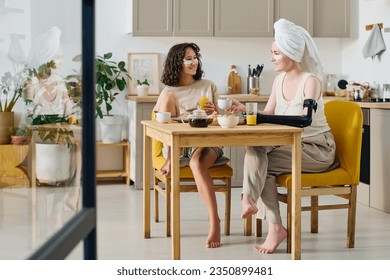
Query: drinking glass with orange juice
{"x": 251, "y": 113}
{"x": 204, "y": 98}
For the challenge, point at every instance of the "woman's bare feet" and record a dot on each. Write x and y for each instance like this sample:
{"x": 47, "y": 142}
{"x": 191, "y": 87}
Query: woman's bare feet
{"x": 248, "y": 206}
{"x": 276, "y": 234}
{"x": 166, "y": 168}
{"x": 214, "y": 238}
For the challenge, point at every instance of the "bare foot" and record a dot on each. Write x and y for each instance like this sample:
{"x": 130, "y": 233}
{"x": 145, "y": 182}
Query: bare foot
{"x": 214, "y": 238}
{"x": 166, "y": 168}
{"x": 276, "y": 234}
{"x": 248, "y": 206}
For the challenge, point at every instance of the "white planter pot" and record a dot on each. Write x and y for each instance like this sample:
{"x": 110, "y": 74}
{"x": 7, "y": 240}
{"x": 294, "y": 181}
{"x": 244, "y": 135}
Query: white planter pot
{"x": 111, "y": 129}
{"x": 143, "y": 90}
{"x": 53, "y": 163}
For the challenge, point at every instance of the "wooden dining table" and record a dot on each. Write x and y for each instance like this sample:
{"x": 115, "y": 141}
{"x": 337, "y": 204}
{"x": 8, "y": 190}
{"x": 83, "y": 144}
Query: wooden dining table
{"x": 179, "y": 135}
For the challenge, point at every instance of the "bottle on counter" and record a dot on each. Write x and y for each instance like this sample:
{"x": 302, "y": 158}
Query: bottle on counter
{"x": 330, "y": 86}
{"x": 234, "y": 81}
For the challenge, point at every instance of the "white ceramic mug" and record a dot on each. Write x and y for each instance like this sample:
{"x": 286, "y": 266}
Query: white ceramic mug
{"x": 163, "y": 117}
{"x": 225, "y": 103}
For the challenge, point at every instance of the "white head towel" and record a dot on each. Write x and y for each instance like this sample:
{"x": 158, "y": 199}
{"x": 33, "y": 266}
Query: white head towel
{"x": 375, "y": 44}
{"x": 44, "y": 47}
{"x": 296, "y": 43}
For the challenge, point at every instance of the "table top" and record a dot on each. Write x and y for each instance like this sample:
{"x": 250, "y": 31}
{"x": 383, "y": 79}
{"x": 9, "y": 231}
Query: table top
{"x": 214, "y": 135}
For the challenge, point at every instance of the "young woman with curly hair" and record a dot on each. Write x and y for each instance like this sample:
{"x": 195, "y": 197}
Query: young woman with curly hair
{"x": 182, "y": 77}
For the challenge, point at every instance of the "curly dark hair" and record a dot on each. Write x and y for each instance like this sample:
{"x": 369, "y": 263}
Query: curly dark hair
{"x": 174, "y": 61}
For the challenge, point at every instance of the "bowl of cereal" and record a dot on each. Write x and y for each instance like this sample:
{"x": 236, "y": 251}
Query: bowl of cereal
{"x": 228, "y": 121}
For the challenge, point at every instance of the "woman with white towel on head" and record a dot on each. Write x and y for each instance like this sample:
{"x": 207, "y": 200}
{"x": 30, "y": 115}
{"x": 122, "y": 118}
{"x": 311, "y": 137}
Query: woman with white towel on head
{"x": 295, "y": 56}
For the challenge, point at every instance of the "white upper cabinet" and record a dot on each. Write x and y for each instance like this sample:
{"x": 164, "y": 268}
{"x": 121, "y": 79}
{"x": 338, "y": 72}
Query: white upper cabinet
{"x": 244, "y": 18}
{"x": 299, "y": 12}
{"x": 331, "y": 18}
{"x": 238, "y": 18}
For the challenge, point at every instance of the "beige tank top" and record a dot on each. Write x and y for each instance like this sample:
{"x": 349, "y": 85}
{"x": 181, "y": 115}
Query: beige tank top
{"x": 295, "y": 107}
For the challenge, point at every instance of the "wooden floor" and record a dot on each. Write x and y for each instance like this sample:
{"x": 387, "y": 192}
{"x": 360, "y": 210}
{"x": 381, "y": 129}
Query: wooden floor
{"x": 28, "y": 218}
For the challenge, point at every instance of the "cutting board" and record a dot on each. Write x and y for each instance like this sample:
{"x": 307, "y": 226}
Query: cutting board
{"x": 234, "y": 81}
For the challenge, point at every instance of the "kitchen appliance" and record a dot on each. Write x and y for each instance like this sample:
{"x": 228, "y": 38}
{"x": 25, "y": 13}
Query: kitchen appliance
{"x": 365, "y": 152}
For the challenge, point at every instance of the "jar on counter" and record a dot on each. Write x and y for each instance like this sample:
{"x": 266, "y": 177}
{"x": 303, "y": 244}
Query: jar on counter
{"x": 330, "y": 86}
{"x": 386, "y": 91}
{"x": 374, "y": 89}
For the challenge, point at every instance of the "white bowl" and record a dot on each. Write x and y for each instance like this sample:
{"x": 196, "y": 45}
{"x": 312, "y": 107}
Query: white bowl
{"x": 228, "y": 121}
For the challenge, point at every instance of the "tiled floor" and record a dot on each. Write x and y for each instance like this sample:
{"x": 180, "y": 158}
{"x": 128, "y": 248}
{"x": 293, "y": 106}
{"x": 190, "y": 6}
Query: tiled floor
{"x": 28, "y": 218}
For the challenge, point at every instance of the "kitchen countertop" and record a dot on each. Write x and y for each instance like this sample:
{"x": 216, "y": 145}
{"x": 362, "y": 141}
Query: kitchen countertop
{"x": 263, "y": 98}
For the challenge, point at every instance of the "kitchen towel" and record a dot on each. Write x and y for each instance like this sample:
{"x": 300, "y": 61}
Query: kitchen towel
{"x": 375, "y": 44}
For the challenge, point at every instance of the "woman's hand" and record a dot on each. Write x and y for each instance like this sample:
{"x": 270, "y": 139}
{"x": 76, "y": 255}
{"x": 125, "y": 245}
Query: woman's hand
{"x": 209, "y": 108}
{"x": 236, "y": 106}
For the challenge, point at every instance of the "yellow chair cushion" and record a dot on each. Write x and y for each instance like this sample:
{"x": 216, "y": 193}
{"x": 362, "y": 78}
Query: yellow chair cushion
{"x": 338, "y": 176}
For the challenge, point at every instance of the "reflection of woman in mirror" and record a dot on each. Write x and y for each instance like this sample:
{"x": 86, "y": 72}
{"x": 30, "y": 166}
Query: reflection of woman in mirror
{"x": 48, "y": 92}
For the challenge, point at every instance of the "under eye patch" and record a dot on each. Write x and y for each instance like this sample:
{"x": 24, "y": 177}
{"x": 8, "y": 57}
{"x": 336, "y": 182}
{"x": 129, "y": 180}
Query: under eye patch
{"x": 278, "y": 56}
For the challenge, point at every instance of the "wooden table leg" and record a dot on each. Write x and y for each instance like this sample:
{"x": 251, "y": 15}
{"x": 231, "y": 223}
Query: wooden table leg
{"x": 146, "y": 190}
{"x": 296, "y": 199}
{"x": 175, "y": 154}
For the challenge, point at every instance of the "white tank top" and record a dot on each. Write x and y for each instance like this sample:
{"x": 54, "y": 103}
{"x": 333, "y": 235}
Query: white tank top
{"x": 295, "y": 107}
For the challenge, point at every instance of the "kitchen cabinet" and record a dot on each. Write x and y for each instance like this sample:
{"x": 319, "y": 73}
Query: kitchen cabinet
{"x": 138, "y": 109}
{"x": 331, "y": 18}
{"x": 380, "y": 159}
{"x": 244, "y": 18}
{"x": 152, "y": 17}
{"x": 231, "y": 18}
{"x": 173, "y": 18}
{"x": 298, "y": 11}
{"x": 321, "y": 18}
{"x": 191, "y": 19}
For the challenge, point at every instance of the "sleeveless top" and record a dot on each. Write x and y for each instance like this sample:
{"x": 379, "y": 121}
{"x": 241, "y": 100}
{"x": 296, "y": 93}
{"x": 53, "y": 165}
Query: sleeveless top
{"x": 294, "y": 106}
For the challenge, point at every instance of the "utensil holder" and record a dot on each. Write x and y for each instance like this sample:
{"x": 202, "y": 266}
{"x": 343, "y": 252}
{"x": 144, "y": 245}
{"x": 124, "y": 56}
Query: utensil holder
{"x": 254, "y": 85}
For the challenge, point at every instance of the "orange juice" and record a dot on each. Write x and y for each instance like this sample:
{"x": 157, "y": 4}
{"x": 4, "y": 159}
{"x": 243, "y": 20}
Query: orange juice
{"x": 202, "y": 101}
{"x": 251, "y": 119}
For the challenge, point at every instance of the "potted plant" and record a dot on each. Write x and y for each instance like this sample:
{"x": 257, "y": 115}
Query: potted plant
{"x": 54, "y": 151}
{"x": 20, "y": 135}
{"x": 111, "y": 78}
{"x": 143, "y": 87}
{"x": 49, "y": 107}
{"x": 11, "y": 89}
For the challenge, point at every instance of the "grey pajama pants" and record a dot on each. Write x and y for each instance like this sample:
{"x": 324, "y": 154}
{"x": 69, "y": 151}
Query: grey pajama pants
{"x": 263, "y": 163}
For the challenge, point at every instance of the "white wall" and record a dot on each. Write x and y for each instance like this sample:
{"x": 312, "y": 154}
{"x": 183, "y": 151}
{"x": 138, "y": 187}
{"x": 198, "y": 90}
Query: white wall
{"x": 113, "y": 22}
{"x": 353, "y": 64}
{"x": 218, "y": 54}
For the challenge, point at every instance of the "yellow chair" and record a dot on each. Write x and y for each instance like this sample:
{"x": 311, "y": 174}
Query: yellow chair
{"x": 221, "y": 175}
{"x": 345, "y": 121}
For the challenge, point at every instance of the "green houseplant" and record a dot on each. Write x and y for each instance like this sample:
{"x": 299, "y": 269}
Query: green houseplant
{"x": 20, "y": 135}
{"x": 11, "y": 89}
{"x": 111, "y": 79}
{"x": 143, "y": 87}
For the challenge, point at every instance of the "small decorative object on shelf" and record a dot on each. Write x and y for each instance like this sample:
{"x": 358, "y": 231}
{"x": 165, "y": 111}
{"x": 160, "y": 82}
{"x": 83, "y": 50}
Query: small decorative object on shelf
{"x": 20, "y": 135}
{"x": 143, "y": 87}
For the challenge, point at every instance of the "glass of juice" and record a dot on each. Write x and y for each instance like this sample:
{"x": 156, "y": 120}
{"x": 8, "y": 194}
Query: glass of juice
{"x": 251, "y": 113}
{"x": 204, "y": 98}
